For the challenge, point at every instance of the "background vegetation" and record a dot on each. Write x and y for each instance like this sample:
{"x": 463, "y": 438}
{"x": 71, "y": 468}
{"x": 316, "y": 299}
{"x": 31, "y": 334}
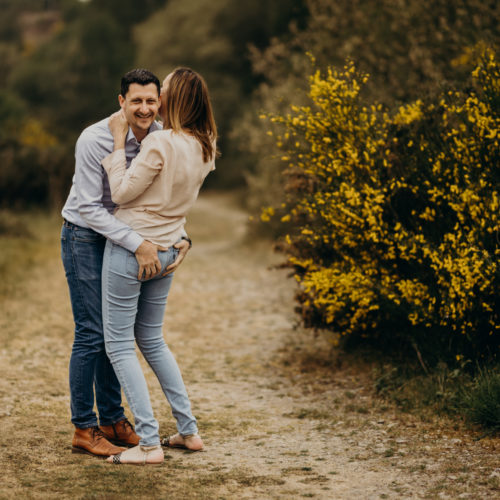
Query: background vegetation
{"x": 392, "y": 219}
{"x": 61, "y": 63}
{"x": 411, "y": 50}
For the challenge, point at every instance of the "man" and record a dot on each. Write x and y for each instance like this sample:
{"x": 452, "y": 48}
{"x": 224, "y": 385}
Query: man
{"x": 88, "y": 221}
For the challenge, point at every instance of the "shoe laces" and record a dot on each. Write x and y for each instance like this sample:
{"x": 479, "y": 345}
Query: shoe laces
{"x": 97, "y": 434}
{"x": 126, "y": 424}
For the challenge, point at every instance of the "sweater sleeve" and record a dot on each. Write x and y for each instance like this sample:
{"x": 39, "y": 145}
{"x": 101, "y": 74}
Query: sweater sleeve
{"x": 88, "y": 183}
{"x": 126, "y": 184}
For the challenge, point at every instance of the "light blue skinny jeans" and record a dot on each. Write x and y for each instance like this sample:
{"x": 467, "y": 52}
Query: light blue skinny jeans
{"x": 133, "y": 310}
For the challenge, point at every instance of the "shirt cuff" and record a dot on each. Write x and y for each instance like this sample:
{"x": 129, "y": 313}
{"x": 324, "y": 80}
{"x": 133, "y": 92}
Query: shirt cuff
{"x": 131, "y": 242}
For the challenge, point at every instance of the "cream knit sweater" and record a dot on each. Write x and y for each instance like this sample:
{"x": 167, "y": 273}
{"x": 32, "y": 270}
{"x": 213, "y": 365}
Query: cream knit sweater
{"x": 162, "y": 183}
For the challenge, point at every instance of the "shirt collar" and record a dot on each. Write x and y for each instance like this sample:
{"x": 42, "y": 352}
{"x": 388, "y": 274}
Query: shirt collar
{"x": 131, "y": 137}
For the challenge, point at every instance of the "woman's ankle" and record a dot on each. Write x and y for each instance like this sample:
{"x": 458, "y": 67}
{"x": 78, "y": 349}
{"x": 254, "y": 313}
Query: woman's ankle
{"x": 148, "y": 448}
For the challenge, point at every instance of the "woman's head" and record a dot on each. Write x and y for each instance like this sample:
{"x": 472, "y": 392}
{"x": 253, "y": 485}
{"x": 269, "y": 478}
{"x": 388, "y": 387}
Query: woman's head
{"x": 185, "y": 106}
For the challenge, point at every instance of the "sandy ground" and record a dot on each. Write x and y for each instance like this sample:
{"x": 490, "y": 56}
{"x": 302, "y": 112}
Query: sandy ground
{"x": 279, "y": 421}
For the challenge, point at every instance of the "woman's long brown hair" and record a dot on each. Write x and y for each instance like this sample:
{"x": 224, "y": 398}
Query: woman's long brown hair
{"x": 188, "y": 108}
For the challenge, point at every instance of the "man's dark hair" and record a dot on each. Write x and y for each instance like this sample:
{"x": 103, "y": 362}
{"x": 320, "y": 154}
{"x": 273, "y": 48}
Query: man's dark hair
{"x": 140, "y": 76}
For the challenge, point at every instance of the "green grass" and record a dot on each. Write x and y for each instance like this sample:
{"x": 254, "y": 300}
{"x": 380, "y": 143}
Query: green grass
{"x": 481, "y": 400}
{"x": 453, "y": 392}
{"x": 26, "y": 239}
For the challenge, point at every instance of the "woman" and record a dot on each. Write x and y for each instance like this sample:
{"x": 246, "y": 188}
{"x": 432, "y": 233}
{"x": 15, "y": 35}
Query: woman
{"x": 154, "y": 195}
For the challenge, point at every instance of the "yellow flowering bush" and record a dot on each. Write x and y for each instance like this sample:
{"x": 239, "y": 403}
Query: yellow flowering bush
{"x": 392, "y": 218}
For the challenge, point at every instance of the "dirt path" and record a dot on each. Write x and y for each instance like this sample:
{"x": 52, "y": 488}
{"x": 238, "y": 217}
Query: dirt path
{"x": 277, "y": 424}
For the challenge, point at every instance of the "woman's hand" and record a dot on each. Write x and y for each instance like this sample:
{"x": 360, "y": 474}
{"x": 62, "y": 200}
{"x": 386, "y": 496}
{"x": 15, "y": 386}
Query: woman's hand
{"x": 118, "y": 126}
{"x": 183, "y": 247}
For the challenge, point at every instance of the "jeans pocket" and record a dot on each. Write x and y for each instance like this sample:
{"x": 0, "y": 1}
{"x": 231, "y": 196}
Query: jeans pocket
{"x": 167, "y": 258}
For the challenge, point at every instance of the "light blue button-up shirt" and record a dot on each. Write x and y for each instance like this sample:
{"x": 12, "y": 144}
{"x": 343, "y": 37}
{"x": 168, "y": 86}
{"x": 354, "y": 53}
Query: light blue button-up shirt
{"x": 89, "y": 201}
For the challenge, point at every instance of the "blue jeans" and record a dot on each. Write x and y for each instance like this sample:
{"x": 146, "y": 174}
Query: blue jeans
{"x": 133, "y": 310}
{"x": 82, "y": 252}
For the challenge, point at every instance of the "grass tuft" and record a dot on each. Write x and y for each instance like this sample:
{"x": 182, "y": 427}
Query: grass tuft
{"x": 481, "y": 401}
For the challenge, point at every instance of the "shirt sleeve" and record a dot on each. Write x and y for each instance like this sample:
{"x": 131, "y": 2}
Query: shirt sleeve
{"x": 89, "y": 176}
{"x": 128, "y": 183}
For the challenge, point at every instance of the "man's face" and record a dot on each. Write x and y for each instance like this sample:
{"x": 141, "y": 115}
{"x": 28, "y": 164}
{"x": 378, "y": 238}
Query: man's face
{"x": 140, "y": 105}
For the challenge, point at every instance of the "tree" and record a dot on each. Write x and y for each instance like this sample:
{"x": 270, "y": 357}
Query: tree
{"x": 65, "y": 83}
{"x": 213, "y": 37}
{"x": 408, "y": 49}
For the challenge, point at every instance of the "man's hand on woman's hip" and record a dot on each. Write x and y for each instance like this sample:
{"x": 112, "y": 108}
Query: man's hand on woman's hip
{"x": 149, "y": 263}
{"x": 147, "y": 258}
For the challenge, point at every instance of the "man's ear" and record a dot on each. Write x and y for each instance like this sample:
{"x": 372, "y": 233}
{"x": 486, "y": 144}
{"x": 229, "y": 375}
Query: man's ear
{"x": 121, "y": 100}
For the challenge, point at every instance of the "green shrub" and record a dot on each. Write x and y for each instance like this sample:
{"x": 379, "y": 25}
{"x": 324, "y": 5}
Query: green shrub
{"x": 392, "y": 220}
{"x": 411, "y": 390}
{"x": 481, "y": 402}
{"x": 408, "y": 49}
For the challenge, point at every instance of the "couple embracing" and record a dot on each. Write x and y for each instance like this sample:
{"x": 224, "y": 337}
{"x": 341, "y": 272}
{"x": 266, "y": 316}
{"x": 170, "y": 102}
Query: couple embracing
{"x": 122, "y": 237}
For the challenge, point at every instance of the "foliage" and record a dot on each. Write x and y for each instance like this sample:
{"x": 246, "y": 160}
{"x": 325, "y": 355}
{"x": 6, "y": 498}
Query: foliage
{"x": 28, "y": 155}
{"x": 481, "y": 401}
{"x": 444, "y": 390}
{"x": 212, "y": 36}
{"x": 409, "y": 50}
{"x": 392, "y": 220}
{"x": 411, "y": 390}
{"x": 62, "y": 60}
{"x": 72, "y": 74}
{"x": 66, "y": 80}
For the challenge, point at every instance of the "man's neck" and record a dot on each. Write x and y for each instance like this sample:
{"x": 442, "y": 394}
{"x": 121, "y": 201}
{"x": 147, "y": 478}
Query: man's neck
{"x": 139, "y": 133}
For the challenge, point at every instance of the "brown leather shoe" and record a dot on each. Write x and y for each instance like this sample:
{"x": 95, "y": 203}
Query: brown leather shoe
{"x": 122, "y": 433}
{"x": 93, "y": 442}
